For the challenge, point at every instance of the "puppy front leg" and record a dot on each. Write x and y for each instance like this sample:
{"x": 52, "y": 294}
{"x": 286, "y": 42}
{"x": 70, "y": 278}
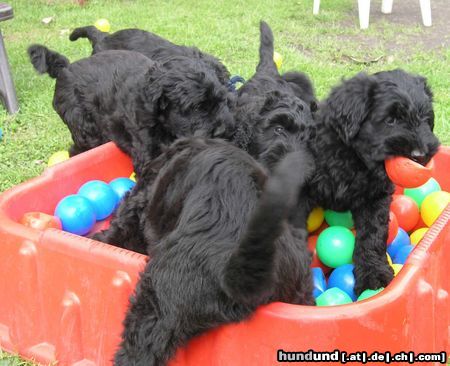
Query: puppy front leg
{"x": 125, "y": 231}
{"x": 372, "y": 270}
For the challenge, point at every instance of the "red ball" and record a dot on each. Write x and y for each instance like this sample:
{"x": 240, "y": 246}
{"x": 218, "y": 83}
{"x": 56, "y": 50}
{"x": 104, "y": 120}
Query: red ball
{"x": 312, "y": 242}
{"x": 393, "y": 227}
{"x": 321, "y": 228}
{"x": 407, "y": 173}
{"x": 406, "y": 211}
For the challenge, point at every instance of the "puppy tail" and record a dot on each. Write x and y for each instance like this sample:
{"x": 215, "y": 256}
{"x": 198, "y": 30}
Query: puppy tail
{"x": 266, "y": 49}
{"x": 248, "y": 274}
{"x": 47, "y": 61}
{"x": 89, "y": 32}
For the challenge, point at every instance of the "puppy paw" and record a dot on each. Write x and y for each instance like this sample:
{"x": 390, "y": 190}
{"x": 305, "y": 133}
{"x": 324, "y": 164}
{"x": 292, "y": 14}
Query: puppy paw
{"x": 372, "y": 277}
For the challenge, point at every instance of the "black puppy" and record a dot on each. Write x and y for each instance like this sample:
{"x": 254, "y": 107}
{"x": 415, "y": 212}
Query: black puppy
{"x": 273, "y": 108}
{"x": 364, "y": 121}
{"x": 150, "y": 45}
{"x": 214, "y": 226}
{"x": 136, "y": 102}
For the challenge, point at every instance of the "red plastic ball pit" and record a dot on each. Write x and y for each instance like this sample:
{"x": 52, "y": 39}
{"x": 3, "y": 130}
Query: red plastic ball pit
{"x": 406, "y": 211}
{"x": 407, "y": 173}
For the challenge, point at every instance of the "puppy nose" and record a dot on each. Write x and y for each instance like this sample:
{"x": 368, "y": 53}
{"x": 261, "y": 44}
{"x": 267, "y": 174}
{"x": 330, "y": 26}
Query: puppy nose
{"x": 420, "y": 157}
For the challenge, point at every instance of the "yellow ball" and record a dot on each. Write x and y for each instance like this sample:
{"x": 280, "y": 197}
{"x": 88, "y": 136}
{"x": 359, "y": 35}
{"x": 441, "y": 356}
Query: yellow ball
{"x": 417, "y": 235}
{"x": 278, "y": 59}
{"x": 315, "y": 219}
{"x": 133, "y": 177}
{"x": 102, "y": 25}
{"x": 433, "y": 205}
{"x": 58, "y": 157}
{"x": 389, "y": 259}
{"x": 397, "y": 268}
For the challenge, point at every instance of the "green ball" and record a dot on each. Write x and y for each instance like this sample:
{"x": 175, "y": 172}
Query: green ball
{"x": 369, "y": 293}
{"x": 335, "y": 218}
{"x": 418, "y": 194}
{"x": 335, "y": 246}
{"x": 333, "y": 296}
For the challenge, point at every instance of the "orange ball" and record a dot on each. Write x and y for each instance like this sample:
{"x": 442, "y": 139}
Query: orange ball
{"x": 407, "y": 173}
{"x": 40, "y": 221}
{"x": 406, "y": 211}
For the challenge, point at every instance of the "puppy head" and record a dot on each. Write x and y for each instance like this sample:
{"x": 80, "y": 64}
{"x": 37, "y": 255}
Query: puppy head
{"x": 190, "y": 97}
{"x": 384, "y": 115}
{"x": 282, "y": 122}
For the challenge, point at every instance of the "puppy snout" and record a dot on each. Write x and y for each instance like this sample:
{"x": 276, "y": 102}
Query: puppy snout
{"x": 420, "y": 156}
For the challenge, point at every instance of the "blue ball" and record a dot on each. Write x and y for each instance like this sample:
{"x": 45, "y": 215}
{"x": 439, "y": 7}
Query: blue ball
{"x": 102, "y": 197}
{"x": 319, "y": 281}
{"x": 121, "y": 186}
{"x": 400, "y": 240}
{"x": 402, "y": 254}
{"x": 1, "y": 134}
{"x": 342, "y": 277}
{"x": 76, "y": 213}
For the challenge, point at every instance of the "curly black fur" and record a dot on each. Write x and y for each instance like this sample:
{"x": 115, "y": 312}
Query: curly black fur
{"x": 150, "y": 45}
{"x": 214, "y": 226}
{"x": 136, "y": 102}
{"x": 273, "y": 109}
{"x": 364, "y": 121}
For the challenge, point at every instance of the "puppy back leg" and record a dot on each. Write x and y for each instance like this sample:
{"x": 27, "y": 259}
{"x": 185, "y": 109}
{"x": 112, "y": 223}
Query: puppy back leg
{"x": 151, "y": 335}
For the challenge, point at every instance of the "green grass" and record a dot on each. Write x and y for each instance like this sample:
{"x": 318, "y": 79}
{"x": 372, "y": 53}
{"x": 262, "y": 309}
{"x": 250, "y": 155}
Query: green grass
{"x": 318, "y": 46}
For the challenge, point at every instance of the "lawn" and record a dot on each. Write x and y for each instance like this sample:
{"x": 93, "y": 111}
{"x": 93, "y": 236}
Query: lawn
{"x": 327, "y": 47}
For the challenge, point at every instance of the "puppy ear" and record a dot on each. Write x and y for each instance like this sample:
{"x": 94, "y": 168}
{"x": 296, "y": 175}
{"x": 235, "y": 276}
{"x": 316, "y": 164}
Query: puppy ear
{"x": 348, "y": 106}
{"x": 154, "y": 90}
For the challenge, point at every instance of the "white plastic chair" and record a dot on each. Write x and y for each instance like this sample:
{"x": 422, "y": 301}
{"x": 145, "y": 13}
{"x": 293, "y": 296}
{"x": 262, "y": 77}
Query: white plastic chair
{"x": 386, "y": 8}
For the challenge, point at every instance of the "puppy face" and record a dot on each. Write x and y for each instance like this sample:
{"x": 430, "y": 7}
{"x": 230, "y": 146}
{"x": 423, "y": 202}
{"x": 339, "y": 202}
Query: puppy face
{"x": 384, "y": 115}
{"x": 192, "y": 100}
{"x": 285, "y": 123}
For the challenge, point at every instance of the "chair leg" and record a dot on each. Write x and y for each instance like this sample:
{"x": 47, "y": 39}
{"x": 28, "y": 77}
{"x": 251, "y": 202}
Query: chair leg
{"x": 316, "y": 7}
{"x": 364, "y": 13}
{"x": 425, "y": 8}
{"x": 7, "y": 90}
{"x": 386, "y": 6}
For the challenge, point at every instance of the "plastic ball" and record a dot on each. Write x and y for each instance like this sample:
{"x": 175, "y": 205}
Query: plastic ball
{"x": 315, "y": 219}
{"x": 77, "y": 214}
{"x": 402, "y": 239}
{"x": 319, "y": 281}
{"x": 40, "y": 221}
{"x": 102, "y": 197}
{"x": 397, "y": 268}
{"x": 133, "y": 176}
{"x": 121, "y": 186}
{"x": 417, "y": 235}
{"x": 1, "y": 134}
{"x": 335, "y": 246}
{"x": 343, "y": 278}
{"x": 333, "y": 296}
{"x": 369, "y": 293}
{"x": 406, "y": 211}
{"x": 433, "y": 205}
{"x": 312, "y": 242}
{"x": 389, "y": 259}
{"x": 407, "y": 173}
{"x": 58, "y": 157}
{"x": 335, "y": 218}
{"x": 102, "y": 25}
{"x": 393, "y": 227}
{"x": 278, "y": 59}
{"x": 402, "y": 254}
{"x": 418, "y": 194}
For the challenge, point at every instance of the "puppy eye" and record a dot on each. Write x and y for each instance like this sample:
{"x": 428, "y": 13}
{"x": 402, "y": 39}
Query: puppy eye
{"x": 279, "y": 129}
{"x": 391, "y": 121}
